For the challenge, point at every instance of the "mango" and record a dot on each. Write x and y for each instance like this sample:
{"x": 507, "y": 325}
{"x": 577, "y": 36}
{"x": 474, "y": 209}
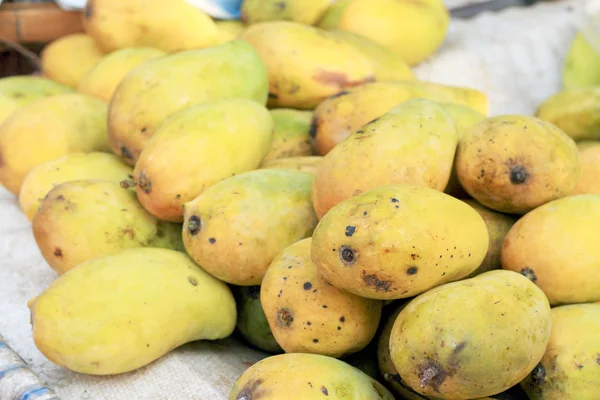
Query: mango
{"x": 556, "y": 247}
{"x": 443, "y": 340}
{"x": 514, "y": 163}
{"x": 120, "y": 312}
{"x": 234, "y": 229}
{"x": 116, "y": 24}
{"x": 338, "y": 116}
{"x": 72, "y": 167}
{"x": 307, "y": 314}
{"x": 102, "y": 80}
{"x": 589, "y": 180}
{"x": 575, "y": 111}
{"x": 229, "y": 30}
{"x": 397, "y": 241}
{"x": 212, "y": 141}
{"x": 160, "y": 88}
{"x": 570, "y": 367}
{"x": 305, "y": 164}
{"x": 305, "y": 64}
{"x": 290, "y": 134}
{"x": 298, "y": 376}
{"x": 582, "y": 63}
{"x": 414, "y": 143}
{"x": 68, "y": 59}
{"x": 332, "y": 15}
{"x": 48, "y": 129}
{"x": 82, "y": 220}
{"x": 306, "y": 12}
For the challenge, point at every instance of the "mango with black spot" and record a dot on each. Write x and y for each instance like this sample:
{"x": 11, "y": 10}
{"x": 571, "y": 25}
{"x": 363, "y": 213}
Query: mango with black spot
{"x": 305, "y": 164}
{"x": 290, "y": 134}
{"x": 306, "y": 12}
{"x": 397, "y": 241}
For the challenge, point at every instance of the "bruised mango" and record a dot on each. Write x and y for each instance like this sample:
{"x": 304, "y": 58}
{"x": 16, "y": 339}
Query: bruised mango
{"x": 306, "y": 12}
{"x": 397, "y": 241}
{"x": 589, "y": 180}
{"x": 290, "y": 134}
{"x": 305, "y": 164}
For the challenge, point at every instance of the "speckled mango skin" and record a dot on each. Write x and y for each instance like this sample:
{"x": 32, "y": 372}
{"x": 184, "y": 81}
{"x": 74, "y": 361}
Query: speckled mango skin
{"x": 471, "y": 338}
{"x": 82, "y": 220}
{"x": 306, "y": 64}
{"x": 340, "y": 115}
{"x": 414, "y": 143}
{"x": 210, "y": 142}
{"x": 307, "y": 314}
{"x": 589, "y": 157}
{"x": 235, "y": 228}
{"x": 514, "y": 163}
{"x": 298, "y": 376}
{"x": 397, "y": 241}
{"x": 118, "y": 313}
{"x": 306, "y": 12}
{"x": 556, "y": 246}
{"x": 305, "y": 164}
{"x": 570, "y": 368}
{"x": 290, "y": 134}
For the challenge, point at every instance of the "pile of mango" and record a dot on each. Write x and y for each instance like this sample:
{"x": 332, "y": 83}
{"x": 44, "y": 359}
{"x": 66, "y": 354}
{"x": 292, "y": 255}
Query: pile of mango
{"x": 285, "y": 179}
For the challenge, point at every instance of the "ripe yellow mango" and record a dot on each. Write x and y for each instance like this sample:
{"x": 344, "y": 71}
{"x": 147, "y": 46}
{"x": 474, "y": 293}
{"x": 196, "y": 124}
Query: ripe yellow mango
{"x": 116, "y": 24}
{"x": 212, "y": 141}
{"x": 589, "y": 157}
{"x": 397, "y": 241}
{"x": 582, "y": 63}
{"x": 306, "y": 12}
{"x": 72, "y": 167}
{"x": 338, "y": 116}
{"x": 102, "y": 80}
{"x": 49, "y": 129}
{"x": 118, "y": 313}
{"x": 290, "y": 134}
{"x": 306, "y": 64}
{"x": 298, "y": 376}
{"x": 443, "y": 341}
{"x": 307, "y": 314}
{"x": 414, "y": 143}
{"x": 556, "y": 246}
{"x": 229, "y": 30}
{"x": 235, "y": 228}
{"x": 158, "y": 89}
{"x": 304, "y": 164}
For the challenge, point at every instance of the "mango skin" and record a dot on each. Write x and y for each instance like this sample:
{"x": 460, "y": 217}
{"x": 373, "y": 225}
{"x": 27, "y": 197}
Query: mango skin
{"x": 338, "y": 116}
{"x": 443, "y": 340}
{"x": 581, "y": 64}
{"x": 48, "y": 129}
{"x": 246, "y": 221}
{"x": 229, "y": 30}
{"x": 514, "y": 163}
{"x": 305, "y": 164}
{"x": 306, "y": 12}
{"x": 305, "y": 64}
{"x": 556, "y": 247}
{"x": 213, "y": 141}
{"x": 160, "y": 88}
{"x": 397, "y": 241}
{"x": 570, "y": 367}
{"x": 589, "y": 180}
{"x": 331, "y": 18}
{"x": 307, "y": 314}
{"x": 102, "y": 80}
{"x": 82, "y": 220}
{"x": 290, "y": 134}
{"x": 414, "y": 143}
{"x": 80, "y": 321}
{"x": 287, "y": 376}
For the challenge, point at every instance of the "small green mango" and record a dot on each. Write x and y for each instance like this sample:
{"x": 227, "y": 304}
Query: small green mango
{"x": 582, "y": 64}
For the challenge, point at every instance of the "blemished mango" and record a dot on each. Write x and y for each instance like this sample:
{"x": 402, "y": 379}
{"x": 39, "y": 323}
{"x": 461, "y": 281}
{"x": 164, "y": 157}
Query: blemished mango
{"x": 212, "y": 141}
{"x": 397, "y": 241}
{"x": 582, "y": 63}
{"x": 338, "y": 116}
{"x": 306, "y": 12}
{"x": 118, "y": 313}
{"x": 307, "y": 314}
{"x": 514, "y": 163}
{"x": 298, "y": 376}
{"x": 48, "y": 129}
{"x": 72, "y": 167}
{"x": 115, "y": 24}
{"x": 82, "y": 220}
{"x": 290, "y": 134}
{"x": 414, "y": 143}
{"x": 160, "y": 88}
{"x": 556, "y": 246}
{"x": 443, "y": 340}
{"x": 68, "y": 59}
{"x": 570, "y": 368}
{"x": 589, "y": 157}
{"x": 306, "y": 64}
{"x": 305, "y": 164}
{"x": 102, "y": 80}
{"x": 234, "y": 229}
{"x": 229, "y": 30}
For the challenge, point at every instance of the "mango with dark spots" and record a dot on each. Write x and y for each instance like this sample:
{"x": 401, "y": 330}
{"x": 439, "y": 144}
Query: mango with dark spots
{"x": 514, "y": 163}
{"x": 326, "y": 320}
{"x": 297, "y": 376}
{"x": 472, "y": 338}
{"x": 397, "y": 241}
{"x": 589, "y": 157}
{"x": 291, "y": 136}
{"x": 305, "y": 164}
{"x": 556, "y": 246}
{"x": 235, "y": 228}
{"x": 86, "y": 219}
{"x": 570, "y": 368}
{"x": 306, "y": 12}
